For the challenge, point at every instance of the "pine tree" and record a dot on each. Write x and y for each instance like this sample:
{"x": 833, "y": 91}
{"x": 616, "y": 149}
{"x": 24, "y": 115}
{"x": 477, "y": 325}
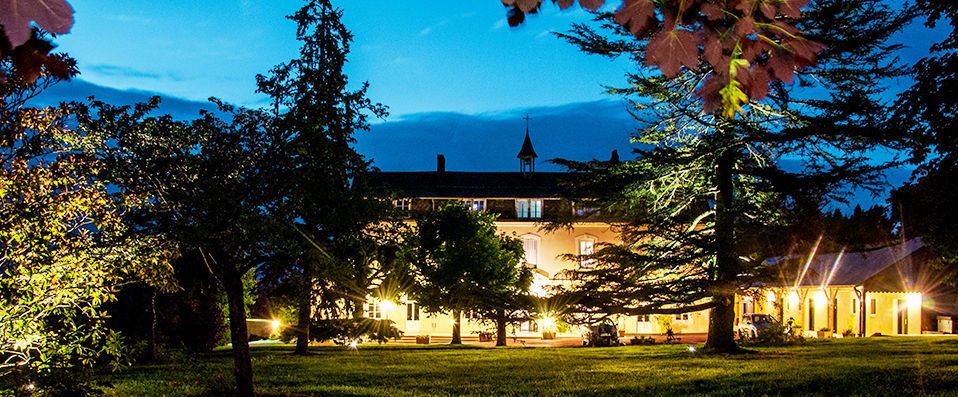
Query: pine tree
{"x": 708, "y": 181}
{"x": 329, "y": 199}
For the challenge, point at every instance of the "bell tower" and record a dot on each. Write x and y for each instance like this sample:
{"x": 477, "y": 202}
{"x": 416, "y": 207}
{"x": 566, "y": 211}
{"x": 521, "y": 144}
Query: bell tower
{"x": 527, "y": 155}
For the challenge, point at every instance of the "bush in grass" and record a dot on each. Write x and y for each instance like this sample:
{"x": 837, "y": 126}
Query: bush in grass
{"x": 343, "y": 331}
{"x": 776, "y": 334}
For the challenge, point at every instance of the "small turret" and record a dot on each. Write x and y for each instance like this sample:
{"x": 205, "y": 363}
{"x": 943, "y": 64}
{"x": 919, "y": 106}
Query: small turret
{"x": 527, "y": 155}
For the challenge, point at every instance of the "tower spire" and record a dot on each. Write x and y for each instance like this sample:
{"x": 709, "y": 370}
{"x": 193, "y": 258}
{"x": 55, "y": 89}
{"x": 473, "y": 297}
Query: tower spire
{"x": 527, "y": 154}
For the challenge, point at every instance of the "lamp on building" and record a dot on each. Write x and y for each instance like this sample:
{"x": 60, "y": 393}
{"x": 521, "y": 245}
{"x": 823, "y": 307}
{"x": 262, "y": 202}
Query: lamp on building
{"x": 913, "y": 299}
{"x": 387, "y": 306}
{"x": 793, "y": 298}
{"x": 820, "y": 298}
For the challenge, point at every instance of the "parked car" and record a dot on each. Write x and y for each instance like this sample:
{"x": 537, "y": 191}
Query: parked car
{"x": 750, "y": 324}
{"x": 601, "y": 335}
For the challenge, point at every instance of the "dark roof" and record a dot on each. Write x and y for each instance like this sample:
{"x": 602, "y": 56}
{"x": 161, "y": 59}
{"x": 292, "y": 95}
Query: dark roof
{"x": 853, "y": 268}
{"x": 527, "y": 151}
{"x": 470, "y": 184}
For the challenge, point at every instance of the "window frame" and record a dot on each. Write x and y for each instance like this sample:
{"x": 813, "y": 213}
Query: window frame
{"x": 403, "y": 205}
{"x": 585, "y": 263}
{"x": 374, "y": 310}
{"x": 471, "y": 203}
{"x": 538, "y": 242}
{"x": 528, "y": 210}
{"x": 412, "y": 311}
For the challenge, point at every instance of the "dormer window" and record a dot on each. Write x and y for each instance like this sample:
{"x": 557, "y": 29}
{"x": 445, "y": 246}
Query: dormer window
{"x": 531, "y": 208}
{"x": 475, "y": 205}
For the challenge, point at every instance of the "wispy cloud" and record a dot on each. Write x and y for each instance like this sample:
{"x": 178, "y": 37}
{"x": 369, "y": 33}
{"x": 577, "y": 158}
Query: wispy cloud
{"x": 429, "y": 29}
{"x": 500, "y": 24}
{"x": 113, "y": 70}
{"x": 544, "y": 33}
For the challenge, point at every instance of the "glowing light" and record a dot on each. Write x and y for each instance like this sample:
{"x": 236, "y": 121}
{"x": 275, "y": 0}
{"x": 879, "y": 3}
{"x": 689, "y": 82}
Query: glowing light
{"x": 691, "y": 349}
{"x": 820, "y": 298}
{"x": 914, "y": 300}
{"x": 275, "y": 324}
{"x": 30, "y": 387}
{"x": 387, "y": 306}
{"x": 770, "y": 297}
{"x": 354, "y": 344}
{"x": 452, "y": 322}
{"x": 793, "y": 298}
{"x": 547, "y": 322}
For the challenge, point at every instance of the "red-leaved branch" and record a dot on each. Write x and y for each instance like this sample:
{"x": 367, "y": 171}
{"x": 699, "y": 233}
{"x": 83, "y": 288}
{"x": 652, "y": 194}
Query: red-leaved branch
{"x": 743, "y": 44}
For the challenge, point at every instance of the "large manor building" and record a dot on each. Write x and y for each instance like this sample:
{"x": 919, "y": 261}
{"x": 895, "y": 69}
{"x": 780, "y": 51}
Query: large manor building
{"x": 856, "y": 297}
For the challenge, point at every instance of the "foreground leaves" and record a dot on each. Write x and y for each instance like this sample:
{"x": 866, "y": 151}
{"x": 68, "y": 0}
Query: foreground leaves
{"x": 759, "y": 36}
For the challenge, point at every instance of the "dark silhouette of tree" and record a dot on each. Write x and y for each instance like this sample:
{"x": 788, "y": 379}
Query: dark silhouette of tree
{"x": 217, "y": 191}
{"x": 328, "y": 198}
{"x": 687, "y": 207}
{"x": 929, "y": 109}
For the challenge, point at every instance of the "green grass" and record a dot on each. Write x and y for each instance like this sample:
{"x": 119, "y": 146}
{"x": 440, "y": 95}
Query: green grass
{"x": 871, "y": 366}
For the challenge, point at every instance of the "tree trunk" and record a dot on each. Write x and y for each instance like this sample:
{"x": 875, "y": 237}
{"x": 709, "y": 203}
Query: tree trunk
{"x": 500, "y": 327}
{"x": 242, "y": 366}
{"x": 305, "y": 313}
{"x": 152, "y": 341}
{"x": 456, "y": 338}
{"x": 721, "y": 337}
{"x": 358, "y": 309}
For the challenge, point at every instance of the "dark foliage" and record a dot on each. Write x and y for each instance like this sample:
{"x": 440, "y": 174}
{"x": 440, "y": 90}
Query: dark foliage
{"x": 696, "y": 208}
{"x": 346, "y": 330}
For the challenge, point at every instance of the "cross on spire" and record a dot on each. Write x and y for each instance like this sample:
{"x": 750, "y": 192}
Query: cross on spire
{"x": 527, "y": 118}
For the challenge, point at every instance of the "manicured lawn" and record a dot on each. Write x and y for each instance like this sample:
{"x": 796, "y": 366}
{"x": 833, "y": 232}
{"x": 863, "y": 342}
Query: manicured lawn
{"x": 871, "y": 366}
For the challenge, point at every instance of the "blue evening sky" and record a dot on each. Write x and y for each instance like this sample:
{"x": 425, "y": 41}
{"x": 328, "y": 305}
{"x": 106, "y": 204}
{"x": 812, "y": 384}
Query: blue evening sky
{"x": 457, "y": 78}
{"x": 417, "y": 57}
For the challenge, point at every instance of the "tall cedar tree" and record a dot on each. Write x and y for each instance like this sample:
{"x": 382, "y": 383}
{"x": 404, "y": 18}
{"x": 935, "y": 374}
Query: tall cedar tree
{"x": 216, "y": 189}
{"x": 329, "y": 199}
{"x": 464, "y": 263}
{"x": 930, "y": 110}
{"x": 708, "y": 181}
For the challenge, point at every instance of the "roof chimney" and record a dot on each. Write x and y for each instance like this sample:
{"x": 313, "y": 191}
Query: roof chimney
{"x": 440, "y": 163}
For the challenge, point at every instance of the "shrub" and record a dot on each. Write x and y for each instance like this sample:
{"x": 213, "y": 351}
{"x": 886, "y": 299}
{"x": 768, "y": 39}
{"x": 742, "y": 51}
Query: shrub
{"x": 342, "y": 331}
{"x": 776, "y": 334}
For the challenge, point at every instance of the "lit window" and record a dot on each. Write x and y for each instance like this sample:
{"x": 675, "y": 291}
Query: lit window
{"x": 874, "y": 308}
{"x": 645, "y": 318}
{"x": 682, "y": 316}
{"x": 475, "y": 205}
{"x": 529, "y": 208}
{"x": 412, "y": 311}
{"x": 403, "y": 205}
{"x": 530, "y": 248}
{"x": 855, "y": 306}
{"x": 586, "y": 249}
{"x": 374, "y": 310}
